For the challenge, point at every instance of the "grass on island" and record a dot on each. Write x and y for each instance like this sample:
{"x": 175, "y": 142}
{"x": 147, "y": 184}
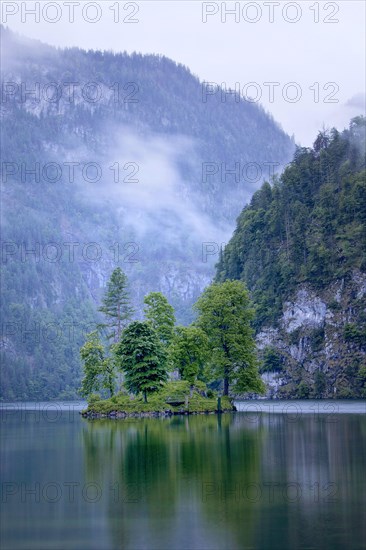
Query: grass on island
{"x": 173, "y": 391}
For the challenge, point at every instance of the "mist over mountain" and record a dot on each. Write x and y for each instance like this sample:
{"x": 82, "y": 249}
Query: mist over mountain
{"x": 112, "y": 159}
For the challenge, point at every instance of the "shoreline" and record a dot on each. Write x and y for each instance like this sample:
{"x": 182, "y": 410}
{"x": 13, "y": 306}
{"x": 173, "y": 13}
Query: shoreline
{"x": 92, "y": 415}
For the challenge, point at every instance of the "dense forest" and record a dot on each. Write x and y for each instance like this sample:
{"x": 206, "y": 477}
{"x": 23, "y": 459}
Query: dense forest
{"x": 150, "y": 112}
{"x": 305, "y": 232}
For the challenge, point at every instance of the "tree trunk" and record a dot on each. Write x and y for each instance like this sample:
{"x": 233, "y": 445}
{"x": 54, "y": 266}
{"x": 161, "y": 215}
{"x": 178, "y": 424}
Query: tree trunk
{"x": 118, "y": 322}
{"x": 226, "y": 384}
{"x": 111, "y": 383}
{"x": 145, "y": 397}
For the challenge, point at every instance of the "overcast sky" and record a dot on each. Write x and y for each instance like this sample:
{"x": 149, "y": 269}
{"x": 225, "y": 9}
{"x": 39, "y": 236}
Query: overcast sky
{"x": 319, "y": 46}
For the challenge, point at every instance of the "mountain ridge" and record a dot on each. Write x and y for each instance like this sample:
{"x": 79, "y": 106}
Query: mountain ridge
{"x": 155, "y": 228}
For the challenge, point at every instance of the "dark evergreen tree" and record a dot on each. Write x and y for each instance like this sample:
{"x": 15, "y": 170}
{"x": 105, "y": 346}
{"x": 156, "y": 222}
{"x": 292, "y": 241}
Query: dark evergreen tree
{"x": 116, "y": 305}
{"x": 142, "y": 359}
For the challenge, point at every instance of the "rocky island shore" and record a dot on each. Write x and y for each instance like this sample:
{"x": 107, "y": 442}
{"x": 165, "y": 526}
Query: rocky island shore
{"x": 175, "y": 398}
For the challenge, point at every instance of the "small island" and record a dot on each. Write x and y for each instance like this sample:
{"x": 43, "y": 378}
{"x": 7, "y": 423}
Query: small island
{"x": 153, "y": 367}
{"x": 174, "y": 398}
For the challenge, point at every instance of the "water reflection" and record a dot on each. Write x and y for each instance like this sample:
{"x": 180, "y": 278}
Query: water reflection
{"x": 236, "y": 481}
{"x": 178, "y": 471}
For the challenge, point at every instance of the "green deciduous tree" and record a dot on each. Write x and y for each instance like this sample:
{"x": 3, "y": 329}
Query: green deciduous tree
{"x": 225, "y": 314}
{"x": 188, "y": 352}
{"x": 116, "y": 304}
{"x": 141, "y": 356}
{"x": 99, "y": 371}
{"x": 160, "y": 314}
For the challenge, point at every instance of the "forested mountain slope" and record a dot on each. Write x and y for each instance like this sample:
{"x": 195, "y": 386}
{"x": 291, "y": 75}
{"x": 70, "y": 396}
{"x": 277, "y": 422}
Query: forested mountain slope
{"x": 104, "y": 162}
{"x": 300, "y": 246}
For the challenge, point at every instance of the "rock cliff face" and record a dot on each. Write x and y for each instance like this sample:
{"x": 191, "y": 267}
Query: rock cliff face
{"x": 300, "y": 246}
{"x": 320, "y": 342}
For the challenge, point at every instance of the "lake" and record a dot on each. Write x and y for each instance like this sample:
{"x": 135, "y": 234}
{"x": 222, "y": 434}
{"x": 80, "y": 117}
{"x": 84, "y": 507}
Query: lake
{"x": 275, "y": 475}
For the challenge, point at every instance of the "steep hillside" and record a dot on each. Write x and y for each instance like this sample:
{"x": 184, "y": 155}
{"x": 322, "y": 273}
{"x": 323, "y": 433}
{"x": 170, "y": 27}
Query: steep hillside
{"x": 300, "y": 246}
{"x": 110, "y": 159}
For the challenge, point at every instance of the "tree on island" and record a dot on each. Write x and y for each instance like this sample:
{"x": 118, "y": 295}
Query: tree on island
{"x": 225, "y": 314}
{"x": 142, "y": 358}
{"x": 160, "y": 314}
{"x": 99, "y": 371}
{"x": 116, "y": 305}
{"x": 188, "y": 352}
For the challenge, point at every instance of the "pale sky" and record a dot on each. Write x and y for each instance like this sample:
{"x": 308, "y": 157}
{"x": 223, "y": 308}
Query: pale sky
{"x": 319, "y": 46}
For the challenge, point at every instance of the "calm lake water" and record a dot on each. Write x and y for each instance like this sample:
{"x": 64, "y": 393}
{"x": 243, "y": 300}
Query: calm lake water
{"x": 263, "y": 478}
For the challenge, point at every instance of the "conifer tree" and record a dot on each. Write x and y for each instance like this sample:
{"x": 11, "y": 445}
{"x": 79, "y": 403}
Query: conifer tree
{"x": 142, "y": 358}
{"x": 116, "y": 305}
